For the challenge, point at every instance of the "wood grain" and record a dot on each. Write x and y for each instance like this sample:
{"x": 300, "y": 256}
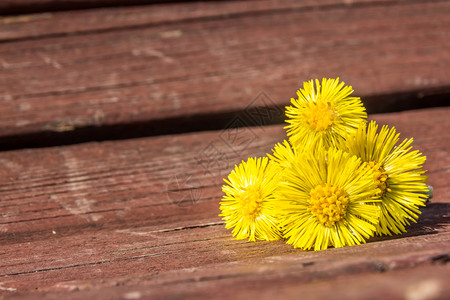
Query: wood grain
{"x": 141, "y": 216}
{"x": 100, "y": 75}
{"x": 36, "y": 6}
{"x": 120, "y": 18}
{"x": 396, "y": 284}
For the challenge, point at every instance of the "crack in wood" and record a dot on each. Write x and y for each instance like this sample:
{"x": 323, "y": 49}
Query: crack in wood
{"x": 86, "y": 264}
{"x": 191, "y": 227}
{"x": 441, "y": 259}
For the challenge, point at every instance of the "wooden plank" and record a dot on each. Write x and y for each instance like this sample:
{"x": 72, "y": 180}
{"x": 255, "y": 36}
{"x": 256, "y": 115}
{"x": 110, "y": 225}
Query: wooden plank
{"x": 43, "y": 24}
{"x": 427, "y": 282}
{"x": 36, "y": 6}
{"x": 142, "y": 215}
{"x": 212, "y": 66}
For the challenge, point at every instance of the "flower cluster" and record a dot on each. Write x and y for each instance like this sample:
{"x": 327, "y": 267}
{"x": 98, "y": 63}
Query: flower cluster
{"x": 336, "y": 182}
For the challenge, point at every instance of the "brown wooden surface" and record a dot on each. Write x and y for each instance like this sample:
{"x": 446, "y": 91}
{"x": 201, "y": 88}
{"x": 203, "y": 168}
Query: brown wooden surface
{"x": 43, "y": 24}
{"x": 90, "y": 73}
{"x": 109, "y": 218}
{"x": 113, "y": 211}
{"x": 26, "y": 6}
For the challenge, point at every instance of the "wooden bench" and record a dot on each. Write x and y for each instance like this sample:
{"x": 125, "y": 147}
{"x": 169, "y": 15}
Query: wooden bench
{"x": 119, "y": 121}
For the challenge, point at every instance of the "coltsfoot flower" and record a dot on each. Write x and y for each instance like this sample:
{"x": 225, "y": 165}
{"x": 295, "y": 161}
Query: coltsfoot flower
{"x": 248, "y": 203}
{"x": 398, "y": 174}
{"x": 282, "y": 155}
{"x": 326, "y": 198}
{"x": 323, "y": 115}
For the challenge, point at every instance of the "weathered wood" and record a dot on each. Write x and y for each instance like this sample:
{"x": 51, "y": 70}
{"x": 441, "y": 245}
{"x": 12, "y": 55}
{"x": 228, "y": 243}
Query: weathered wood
{"x": 43, "y": 25}
{"x": 141, "y": 216}
{"x": 208, "y": 66}
{"x": 26, "y": 6}
{"x": 424, "y": 282}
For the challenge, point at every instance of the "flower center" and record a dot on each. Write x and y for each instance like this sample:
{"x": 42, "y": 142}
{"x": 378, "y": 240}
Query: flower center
{"x": 250, "y": 202}
{"x": 328, "y": 203}
{"x": 380, "y": 177}
{"x": 319, "y": 116}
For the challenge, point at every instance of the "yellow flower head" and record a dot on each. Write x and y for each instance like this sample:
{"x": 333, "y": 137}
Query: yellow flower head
{"x": 398, "y": 175}
{"x": 325, "y": 200}
{"x": 248, "y": 203}
{"x": 282, "y": 155}
{"x": 323, "y": 114}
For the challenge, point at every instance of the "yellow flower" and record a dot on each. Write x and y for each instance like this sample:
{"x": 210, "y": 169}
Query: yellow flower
{"x": 324, "y": 200}
{"x": 248, "y": 203}
{"x": 398, "y": 173}
{"x": 282, "y": 155}
{"x": 325, "y": 114}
